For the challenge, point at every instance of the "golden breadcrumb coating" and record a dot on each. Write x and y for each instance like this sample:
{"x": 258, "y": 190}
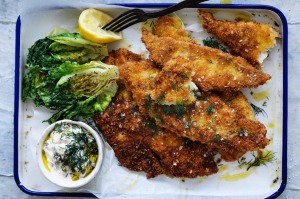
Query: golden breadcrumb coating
{"x": 140, "y": 145}
{"x": 171, "y": 84}
{"x": 247, "y": 39}
{"x": 239, "y": 102}
{"x": 208, "y": 120}
{"x": 171, "y": 26}
{"x": 213, "y": 69}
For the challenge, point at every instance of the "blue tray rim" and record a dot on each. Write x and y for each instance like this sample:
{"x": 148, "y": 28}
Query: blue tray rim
{"x": 154, "y": 5}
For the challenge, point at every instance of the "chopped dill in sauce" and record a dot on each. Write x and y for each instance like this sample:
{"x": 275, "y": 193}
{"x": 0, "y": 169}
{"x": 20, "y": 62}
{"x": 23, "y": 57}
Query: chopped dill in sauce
{"x": 71, "y": 150}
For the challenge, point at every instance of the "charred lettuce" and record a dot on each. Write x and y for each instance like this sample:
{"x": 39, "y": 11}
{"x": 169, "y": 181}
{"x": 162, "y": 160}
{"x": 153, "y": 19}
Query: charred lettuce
{"x": 65, "y": 73}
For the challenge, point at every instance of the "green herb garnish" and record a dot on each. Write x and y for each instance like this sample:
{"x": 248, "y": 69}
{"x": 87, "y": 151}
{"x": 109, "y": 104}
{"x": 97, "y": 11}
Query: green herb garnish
{"x": 242, "y": 132}
{"x": 176, "y": 86}
{"x": 265, "y": 103}
{"x": 152, "y": 125}
{"x": 160, "y": 118}
{"x": 213, "y": 43}
{"x": 217, "y": 139}
{"x": 160, "y": 98}
{"x": 147, "y": 102}
{"x": 199, "y": 96}
{"x": 121, "y": 118}
{"x": 210, "y": 109}
{"x": 257, "y": 110}
{"x": 168, "y": 73}
{"x": 262, "y": 158}
{"x": 184, "y": 76}
{"x": 77, "y": 154}
{"x": 179, "y": 109}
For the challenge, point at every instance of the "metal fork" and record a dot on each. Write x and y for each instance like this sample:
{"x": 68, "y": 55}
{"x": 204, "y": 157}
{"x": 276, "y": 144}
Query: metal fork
{"x": 134, "y": 16}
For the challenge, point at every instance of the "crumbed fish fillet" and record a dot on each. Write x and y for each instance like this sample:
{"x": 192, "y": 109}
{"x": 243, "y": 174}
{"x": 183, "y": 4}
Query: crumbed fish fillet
{"x": 172, "y": 26}
{"x": 208, "y": 120}
{"x": 140, "y": 145}
{"x": 247, "y": 39}
{"x": 212, "y": 68}
{"x": 171, "y": 84}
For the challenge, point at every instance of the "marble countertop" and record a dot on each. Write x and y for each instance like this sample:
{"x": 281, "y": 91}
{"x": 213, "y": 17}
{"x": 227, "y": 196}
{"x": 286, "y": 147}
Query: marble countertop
{"x": 9, "y": 11}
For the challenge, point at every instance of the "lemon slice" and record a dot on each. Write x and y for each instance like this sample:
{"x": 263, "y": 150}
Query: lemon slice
{"x": 90, "y": 23}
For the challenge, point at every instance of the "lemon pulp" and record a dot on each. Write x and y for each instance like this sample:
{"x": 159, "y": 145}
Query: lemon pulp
{"x": 90, "y": 25}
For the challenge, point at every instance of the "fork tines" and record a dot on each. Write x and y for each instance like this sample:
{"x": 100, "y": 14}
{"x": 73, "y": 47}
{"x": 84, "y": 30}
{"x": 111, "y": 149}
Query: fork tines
{"x": 137, "y": 15}
{"x": 125, "y": 20}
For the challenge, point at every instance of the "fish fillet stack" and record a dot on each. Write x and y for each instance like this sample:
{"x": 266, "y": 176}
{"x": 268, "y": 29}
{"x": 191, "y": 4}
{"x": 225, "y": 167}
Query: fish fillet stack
{"x": 176, "y": 110}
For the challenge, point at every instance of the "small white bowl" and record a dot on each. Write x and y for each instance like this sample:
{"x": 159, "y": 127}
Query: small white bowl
{"x": 53, "y": 176}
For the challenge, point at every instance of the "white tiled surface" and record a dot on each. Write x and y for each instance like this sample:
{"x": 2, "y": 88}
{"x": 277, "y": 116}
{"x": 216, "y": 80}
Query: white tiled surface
{"x": 9, "y": 11}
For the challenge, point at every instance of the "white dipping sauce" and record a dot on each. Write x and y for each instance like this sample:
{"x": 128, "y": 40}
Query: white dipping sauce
{"x": 70, "y": 151}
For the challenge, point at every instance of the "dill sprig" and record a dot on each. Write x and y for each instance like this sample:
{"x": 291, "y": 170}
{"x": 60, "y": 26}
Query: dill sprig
{"x": 257, "y": 110}
{"x": 262, "y": 158}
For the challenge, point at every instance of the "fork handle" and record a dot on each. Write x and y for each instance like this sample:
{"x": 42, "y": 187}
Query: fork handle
{"x": 178, "y": 6}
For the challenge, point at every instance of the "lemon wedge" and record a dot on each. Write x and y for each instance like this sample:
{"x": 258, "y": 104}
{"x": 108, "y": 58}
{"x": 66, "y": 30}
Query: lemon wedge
{"x": 90, "y": 23}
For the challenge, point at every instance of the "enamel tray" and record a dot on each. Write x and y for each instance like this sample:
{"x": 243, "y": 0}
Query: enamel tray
{"x": 114, "y": 181}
